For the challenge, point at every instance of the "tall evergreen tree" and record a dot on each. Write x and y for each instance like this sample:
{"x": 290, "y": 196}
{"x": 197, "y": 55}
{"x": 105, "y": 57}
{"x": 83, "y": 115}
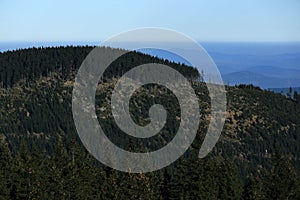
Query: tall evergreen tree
{"x": 5, "y": 170}
{"x": 283, "y": 182}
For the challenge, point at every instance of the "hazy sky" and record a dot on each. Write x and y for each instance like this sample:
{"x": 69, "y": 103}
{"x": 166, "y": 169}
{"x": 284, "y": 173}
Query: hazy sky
{"x": 223, "y": 20}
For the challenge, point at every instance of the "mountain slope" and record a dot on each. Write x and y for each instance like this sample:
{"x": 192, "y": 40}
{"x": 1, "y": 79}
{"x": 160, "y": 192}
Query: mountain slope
{"x": 36, "y": 115}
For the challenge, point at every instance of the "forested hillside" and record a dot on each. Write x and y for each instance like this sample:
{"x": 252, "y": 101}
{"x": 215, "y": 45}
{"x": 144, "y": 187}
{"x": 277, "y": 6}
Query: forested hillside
{"x": 41, "y": 156}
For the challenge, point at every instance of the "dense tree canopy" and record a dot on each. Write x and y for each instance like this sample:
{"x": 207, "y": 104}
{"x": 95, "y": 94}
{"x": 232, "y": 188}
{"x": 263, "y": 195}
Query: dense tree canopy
{"x": 41, "y": 156}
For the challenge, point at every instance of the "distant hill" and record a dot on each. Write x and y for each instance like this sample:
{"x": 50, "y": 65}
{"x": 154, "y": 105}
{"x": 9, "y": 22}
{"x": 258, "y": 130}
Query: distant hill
{"x": 263, "y": 81}
{"x": 275, "y": 72}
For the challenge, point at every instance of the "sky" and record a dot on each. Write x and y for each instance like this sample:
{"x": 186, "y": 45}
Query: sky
{"x": 211, "y": 20}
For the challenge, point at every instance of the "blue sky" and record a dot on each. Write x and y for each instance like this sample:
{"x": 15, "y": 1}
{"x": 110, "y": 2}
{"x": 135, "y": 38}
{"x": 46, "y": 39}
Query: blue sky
{"x": 230, "y": 20}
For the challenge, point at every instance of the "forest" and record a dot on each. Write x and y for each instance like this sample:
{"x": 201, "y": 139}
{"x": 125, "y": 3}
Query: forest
{"x": 42, "y": 157}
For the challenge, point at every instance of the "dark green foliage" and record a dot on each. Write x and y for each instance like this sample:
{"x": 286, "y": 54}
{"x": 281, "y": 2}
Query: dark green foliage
{"x": 70, "y": 173}
{"x": 31, "y": 64}
{"x": 5, "y": 166}
{"x": 41, "y": 156}
{"x": 281, "y": 182}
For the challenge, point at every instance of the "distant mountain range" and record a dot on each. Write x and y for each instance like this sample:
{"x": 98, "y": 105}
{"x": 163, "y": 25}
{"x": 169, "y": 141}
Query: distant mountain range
{"x": 262, "y": 80}
{"x": 266, "y": 65}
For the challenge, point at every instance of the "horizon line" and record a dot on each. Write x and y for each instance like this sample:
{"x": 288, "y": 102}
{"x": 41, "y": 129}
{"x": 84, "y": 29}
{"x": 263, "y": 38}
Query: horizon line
{"x": 202, "y": 41}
